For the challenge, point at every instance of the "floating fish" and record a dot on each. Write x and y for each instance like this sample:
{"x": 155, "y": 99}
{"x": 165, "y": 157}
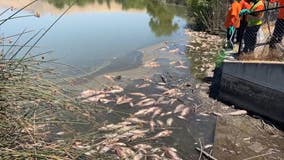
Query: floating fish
{"x": 145, "y": 111}
{"x": 152, "y": 125}
{"x": 171, "y": 153}
{"x": 88, "y": 93}
{"x": 105, "y": 101}
{"x": 161, "y": 124}
{"x": 185, "y": 112}
{"x": 157, "y": 112}
{"x": 146, "y": 102}
{"x": 138, "y": 94}
{"x": 181, "y": 67}
{"x": 136, "y": 120}
{"x": 179, "y": 108}
{"x": 152, "y": 64}
{"x": 142, "y": 85}
{"x": 123, "y": 99}
{"x": 109, "y": 77}
{"x": 162, "y": 134}
{"x": 115, "y": 89}
{"x": 170, "y": 122}
{"x": 163, "y": 88}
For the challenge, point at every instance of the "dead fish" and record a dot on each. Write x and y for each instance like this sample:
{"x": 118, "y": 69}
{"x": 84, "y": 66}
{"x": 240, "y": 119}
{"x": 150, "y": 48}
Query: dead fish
{"x": 171, "y": 153}
{"x": 157, "y": 112}
{"x": 109, "y": 77}
{"x": 238, "y": 113}
{"x": 88, "y": 93}
{"x": 152, "y": 125}
{"x": 138, "y": 156}
{"x": 136, "y": 120}
{"x": 181, "y": 67}
{"x": 142, "y": 146}
{"x": 142, "y": 85}
{"x": 163, "y": 88}
{"x": 172, "y": 101}
{"x": 170, "y": 122}
{"x": 105, "y": 101}
{"x": 160, "y": 99}
{"x": 185, "y": 112}
{"x": 138, "y": 94}
{"x": 172, "y": 92}
{"x": 146, "y": 102}
{"x": 115, "y": 89}
{"x": 97, "y": 98}
{"x": 152, "y": 64}
{"x": 60, "y": 133}
{"x": 122, "y": 100}
{"x": 145, "y": 111}
{"x": 162, "y": 134}
{"x": 161, "y": 124}
{"x": 181, "y": 117}
{"x": 179, "y": 108}
{"x": 174, "y": 50}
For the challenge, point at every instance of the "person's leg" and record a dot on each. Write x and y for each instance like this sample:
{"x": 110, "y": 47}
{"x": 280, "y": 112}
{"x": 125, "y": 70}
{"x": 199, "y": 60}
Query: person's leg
{"x": 229, "y": 43}
{"x": 253, "y": 38}
{"x": 241, "y": 30}
{"x": 247, "y": 38}
{"x": 250, "y": 38}
{"x": 278, "y": 33}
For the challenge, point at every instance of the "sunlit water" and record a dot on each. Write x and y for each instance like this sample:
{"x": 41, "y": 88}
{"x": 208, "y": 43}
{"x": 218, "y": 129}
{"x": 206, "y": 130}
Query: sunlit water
{"x": 92, "y": 34}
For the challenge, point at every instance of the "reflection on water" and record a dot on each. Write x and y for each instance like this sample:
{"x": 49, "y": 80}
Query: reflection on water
{"x": 96, "y": 31}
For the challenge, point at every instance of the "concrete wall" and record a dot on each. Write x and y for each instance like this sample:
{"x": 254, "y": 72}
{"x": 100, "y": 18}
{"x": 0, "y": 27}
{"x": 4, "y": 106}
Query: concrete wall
{"x": 255, "y": 86}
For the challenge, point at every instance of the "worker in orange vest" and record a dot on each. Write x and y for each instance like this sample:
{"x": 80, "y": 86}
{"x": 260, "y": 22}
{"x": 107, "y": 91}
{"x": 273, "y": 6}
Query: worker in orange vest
{"x": 254, "y": 22}
{"x": 278, "y": 32}
{"x": 245, "y": 4}
{"x": 232, "y": 21}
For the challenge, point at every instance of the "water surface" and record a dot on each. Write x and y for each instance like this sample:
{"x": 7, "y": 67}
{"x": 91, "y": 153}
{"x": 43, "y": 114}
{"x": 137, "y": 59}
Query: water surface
{"x": 93, "y": 32}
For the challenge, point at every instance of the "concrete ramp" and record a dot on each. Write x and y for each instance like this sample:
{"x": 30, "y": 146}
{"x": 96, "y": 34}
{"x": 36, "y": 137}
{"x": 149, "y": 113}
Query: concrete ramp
{"x": 254, "y": 86}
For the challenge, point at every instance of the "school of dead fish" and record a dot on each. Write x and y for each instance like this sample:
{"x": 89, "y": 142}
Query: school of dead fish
{"x": 116, "y": 136}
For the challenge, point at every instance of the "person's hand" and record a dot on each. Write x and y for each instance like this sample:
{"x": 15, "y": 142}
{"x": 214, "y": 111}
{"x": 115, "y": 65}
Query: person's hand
{"x": 244, "y": 12}
{"x": 231, "y": 30}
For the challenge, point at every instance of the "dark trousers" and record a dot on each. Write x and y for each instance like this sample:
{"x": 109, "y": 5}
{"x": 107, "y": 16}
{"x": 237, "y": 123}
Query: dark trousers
{"x": 278, "y": 33}
{"x": 241, "y": 30}
{"x": 250, "y": 37}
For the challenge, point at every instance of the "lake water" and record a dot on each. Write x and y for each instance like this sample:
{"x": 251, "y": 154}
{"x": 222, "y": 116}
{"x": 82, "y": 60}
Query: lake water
{"x": 94, "y": 32}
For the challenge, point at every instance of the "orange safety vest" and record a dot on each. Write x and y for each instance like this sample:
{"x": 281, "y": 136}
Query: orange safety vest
{"x": 256, "y": 7}
{"x": 232, "y": 18}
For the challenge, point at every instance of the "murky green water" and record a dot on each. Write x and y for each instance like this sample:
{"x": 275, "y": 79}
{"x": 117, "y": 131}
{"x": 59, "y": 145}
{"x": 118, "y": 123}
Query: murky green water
{"x": 95, "y": 32}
